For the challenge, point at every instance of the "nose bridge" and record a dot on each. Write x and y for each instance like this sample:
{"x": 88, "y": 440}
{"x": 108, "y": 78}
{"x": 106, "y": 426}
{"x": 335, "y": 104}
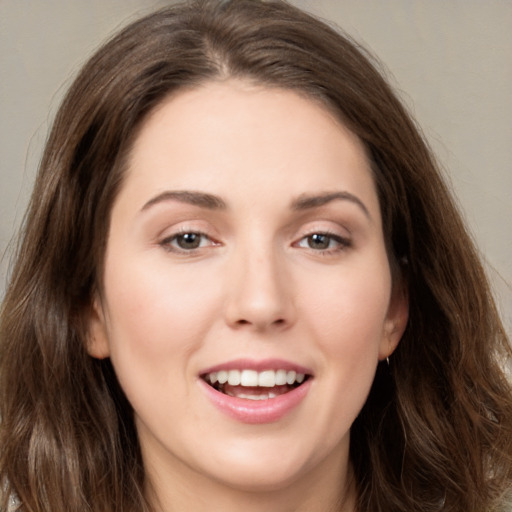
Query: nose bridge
{"x": 259, "y": 292}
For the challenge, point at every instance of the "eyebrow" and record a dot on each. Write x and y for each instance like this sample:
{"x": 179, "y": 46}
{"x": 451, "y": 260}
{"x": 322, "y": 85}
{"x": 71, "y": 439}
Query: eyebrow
{"x": 213, "y": 202}
{"x": 306, "y": 202}
{"x": 201, "y": 199}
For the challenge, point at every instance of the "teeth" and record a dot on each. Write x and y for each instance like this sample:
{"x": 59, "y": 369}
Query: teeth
{"x": 222, "y": 377}
{"x": 290, "y": 377}
{"x": 263, "y": 396}
{"x": 234, "y": 378}
{"x": 281, "y": 377}
{"x": 249, "y": 378}
{"x": 252, "y": 378}
{"x": 267, "y": 379}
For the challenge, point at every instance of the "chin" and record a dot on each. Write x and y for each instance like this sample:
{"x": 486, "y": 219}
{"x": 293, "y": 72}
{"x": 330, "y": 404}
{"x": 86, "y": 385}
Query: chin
{"x": 257, "y": 479}
{"x": 263, "y": 468}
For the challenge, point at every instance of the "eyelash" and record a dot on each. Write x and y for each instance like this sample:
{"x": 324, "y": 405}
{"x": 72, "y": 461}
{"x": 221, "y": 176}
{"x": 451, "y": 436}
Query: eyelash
{"x": 167, "y": 243}
{"x": 341, "y": 243}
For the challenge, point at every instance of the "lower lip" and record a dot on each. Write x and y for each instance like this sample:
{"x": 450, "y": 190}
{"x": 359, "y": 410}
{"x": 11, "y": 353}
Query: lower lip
{"x": 257, "y": 411}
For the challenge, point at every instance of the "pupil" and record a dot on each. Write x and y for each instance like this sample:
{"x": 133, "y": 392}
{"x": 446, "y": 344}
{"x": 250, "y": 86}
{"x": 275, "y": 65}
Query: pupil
{"x": 189, "y": 241}
{"x": 319, "y": 241}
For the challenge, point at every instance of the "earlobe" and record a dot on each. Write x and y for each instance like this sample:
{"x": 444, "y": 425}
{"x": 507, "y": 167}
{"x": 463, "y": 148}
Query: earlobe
{"x": 97, "y": 339}
{"x": 396, "y": 320}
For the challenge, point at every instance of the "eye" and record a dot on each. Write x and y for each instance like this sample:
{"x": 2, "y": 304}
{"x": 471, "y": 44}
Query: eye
{"x": 326, "y": 242}
{"x": 186, "y": 241}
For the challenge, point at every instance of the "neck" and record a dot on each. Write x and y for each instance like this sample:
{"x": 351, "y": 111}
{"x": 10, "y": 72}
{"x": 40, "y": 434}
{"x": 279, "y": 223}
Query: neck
{"x": 309, "y": 493}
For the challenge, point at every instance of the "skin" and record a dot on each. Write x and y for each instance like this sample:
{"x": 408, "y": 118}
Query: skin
{"x": 257, "y": 287}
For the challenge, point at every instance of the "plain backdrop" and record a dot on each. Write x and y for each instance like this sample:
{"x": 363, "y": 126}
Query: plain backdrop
{"x": 450, "y": 60}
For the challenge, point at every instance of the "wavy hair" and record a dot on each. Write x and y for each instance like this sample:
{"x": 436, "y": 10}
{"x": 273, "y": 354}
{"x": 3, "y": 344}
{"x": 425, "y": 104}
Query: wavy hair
{"x": 436, "y": 431}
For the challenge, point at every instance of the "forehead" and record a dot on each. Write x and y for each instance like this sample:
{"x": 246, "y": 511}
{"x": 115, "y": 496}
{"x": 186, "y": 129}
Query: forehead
{"x": 222, "y": 134}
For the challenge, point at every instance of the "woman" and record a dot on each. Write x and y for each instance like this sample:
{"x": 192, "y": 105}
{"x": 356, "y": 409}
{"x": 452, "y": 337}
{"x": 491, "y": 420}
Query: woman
{"x": 243, "y": 284}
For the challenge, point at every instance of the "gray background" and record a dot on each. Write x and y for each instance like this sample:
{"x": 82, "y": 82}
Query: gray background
{"x": 451, "y": 61}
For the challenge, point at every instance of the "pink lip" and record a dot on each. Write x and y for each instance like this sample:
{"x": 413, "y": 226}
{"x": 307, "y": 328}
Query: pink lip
{"x": 259, "y": 366}
{"x": 257, "y": 411}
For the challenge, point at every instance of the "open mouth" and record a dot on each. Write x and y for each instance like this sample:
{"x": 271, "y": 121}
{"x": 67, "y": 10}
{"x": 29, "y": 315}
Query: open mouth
{"x": 254, "y": 385}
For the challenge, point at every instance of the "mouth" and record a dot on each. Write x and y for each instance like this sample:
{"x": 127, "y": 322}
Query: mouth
{"x": 255, "y": 385}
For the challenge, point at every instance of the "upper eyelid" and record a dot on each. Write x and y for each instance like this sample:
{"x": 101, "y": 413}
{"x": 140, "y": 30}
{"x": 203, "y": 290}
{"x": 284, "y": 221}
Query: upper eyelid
{"x": 303, "y": 228}
{"x": 176, "y": 234}
{"x": 327, "y": 227}
{"x": 187, "y": 226}
{"x": 326, "y": 230}
{"x": 169, "y": 234}
{"x": 344, "y": 240}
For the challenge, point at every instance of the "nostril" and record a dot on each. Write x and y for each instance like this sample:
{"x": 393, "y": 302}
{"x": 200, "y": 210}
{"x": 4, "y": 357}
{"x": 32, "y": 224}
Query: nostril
{"x": 277, "y": 322}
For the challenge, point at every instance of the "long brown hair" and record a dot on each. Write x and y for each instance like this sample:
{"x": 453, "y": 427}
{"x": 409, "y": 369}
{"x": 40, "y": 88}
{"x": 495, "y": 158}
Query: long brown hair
{"x": 436, "y": 431}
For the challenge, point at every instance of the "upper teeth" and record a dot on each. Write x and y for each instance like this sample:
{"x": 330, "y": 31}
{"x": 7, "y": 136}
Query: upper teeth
{"x": 252, "y": 378}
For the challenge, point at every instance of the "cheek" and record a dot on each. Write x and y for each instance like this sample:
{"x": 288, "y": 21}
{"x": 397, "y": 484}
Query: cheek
{"x": 349, "y": 309}
{"x": 158, "y": 318}
{"x": 347, "y": 318}
{"x": 156, "y": 313}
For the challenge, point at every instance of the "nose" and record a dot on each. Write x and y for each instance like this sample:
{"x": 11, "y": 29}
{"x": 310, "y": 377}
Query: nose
{"x": 260, "y": 292}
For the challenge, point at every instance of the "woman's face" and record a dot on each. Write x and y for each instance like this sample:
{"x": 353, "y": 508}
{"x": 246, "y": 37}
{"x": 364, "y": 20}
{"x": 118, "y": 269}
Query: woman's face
{"x": 246, "y": 244}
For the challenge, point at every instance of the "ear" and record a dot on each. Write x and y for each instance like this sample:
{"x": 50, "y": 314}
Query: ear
{"x": 396, "y": 319}
{"x": 97, "y": 338}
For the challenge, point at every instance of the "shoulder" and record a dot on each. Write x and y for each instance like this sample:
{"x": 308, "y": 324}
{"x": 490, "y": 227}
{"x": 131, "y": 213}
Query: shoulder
{"x": 506, "y": 504}
{"x": 13, "y": 504}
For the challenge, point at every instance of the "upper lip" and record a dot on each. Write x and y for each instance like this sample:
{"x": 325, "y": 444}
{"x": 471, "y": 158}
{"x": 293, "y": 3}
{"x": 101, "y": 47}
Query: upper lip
{"x": 258, "y": 365}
